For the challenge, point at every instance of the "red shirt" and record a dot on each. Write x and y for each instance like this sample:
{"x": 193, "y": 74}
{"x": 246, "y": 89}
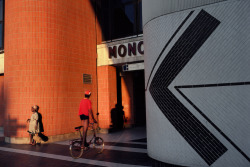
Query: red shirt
{"x": 85, "y": 105}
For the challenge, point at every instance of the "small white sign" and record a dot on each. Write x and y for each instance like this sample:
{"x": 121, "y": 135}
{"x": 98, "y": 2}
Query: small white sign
{"x": 133, "y": 67}
{"x": 1, "y": 63}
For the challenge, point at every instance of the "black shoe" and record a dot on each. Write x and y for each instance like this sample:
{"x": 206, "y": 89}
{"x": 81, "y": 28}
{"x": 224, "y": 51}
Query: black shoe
{"x": 86, "y": 144}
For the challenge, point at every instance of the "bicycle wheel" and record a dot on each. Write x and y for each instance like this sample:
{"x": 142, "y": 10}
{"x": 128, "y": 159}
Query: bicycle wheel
{"x": 98, "y": 144}
{"x": 75, "y": 149}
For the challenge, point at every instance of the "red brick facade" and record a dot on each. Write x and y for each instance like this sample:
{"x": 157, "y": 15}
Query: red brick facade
{"x": 127, "y": 98}
{"x": 49, "y": 45}
{"x": 107, "y": 94}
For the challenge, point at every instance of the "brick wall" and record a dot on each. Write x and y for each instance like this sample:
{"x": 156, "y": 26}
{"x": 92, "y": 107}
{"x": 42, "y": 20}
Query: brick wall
{"x": 128, "y": 97}
{"x": 107, "y": 94}
{"x": 48, "y": 47}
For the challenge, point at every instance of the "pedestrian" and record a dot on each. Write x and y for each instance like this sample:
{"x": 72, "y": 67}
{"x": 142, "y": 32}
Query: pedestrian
{"x": 33, "y": 124}
{"x": 120, "y": 117}
{"x": 117, "y": 116}
{"x": 85, "y": 110}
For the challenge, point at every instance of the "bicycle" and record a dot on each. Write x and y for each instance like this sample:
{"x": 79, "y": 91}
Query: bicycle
{"x": 96, "y": 143}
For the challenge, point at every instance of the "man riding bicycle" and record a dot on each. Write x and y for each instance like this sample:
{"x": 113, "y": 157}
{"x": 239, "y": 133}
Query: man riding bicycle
{"x": 85, "y": 110}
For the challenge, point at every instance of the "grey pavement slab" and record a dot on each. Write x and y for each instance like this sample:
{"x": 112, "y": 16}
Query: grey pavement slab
{"x": 126, "y": 148}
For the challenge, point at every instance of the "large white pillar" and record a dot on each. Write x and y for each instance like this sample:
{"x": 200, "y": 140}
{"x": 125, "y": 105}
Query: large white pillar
{"x": 197, "y": 81}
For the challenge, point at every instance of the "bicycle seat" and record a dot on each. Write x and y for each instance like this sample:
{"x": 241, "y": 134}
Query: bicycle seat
{"x": 78, "y": 128}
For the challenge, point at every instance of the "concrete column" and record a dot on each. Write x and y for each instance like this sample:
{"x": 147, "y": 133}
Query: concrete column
{"x": 197, "y": 79}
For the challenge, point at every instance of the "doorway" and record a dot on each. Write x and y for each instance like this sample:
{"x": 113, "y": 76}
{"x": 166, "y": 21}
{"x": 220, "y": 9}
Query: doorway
{"x": 131, "y": 95}
{"x": 139, "y": 98}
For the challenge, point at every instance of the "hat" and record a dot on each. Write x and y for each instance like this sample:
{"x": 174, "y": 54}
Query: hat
{"x": 87, "y": 92}
{"x": 34, "y": 107}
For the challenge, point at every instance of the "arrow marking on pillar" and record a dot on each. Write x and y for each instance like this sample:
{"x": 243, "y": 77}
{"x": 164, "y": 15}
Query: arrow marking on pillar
{"x": 192, "y": 130}
{"x": 177, "y": 30}
{"x": 218, "y": 129}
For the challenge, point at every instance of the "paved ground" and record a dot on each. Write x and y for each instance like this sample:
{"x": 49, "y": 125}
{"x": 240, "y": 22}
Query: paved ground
{"x": 126, "y": 148}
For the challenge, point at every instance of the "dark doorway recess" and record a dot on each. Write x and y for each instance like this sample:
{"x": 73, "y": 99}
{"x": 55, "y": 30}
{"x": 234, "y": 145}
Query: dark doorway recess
{"x": 139, "y": 98}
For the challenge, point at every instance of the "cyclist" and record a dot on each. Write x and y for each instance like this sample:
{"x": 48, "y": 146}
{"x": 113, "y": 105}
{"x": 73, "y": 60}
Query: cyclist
{"x": 85, "y": 110}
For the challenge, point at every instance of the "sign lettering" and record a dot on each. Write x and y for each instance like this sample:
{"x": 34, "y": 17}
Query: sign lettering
{"x": 124, "y": 50}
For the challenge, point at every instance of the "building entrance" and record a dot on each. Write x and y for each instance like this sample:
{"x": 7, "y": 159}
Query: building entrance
{"x": 131, "y": 95}
{"x": 139, "y": 98}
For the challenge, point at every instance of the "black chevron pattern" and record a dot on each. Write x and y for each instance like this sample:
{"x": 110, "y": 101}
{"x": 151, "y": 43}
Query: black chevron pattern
{"x": 192, "y": 130}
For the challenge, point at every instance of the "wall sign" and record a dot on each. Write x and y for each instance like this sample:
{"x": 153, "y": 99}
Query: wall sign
{"x": 133, "y": 67}
{"x": 123, "y": 50}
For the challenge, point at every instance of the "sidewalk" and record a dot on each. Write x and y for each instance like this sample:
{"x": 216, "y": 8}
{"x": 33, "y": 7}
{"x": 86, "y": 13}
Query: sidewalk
{"x": 126, "y": 148}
